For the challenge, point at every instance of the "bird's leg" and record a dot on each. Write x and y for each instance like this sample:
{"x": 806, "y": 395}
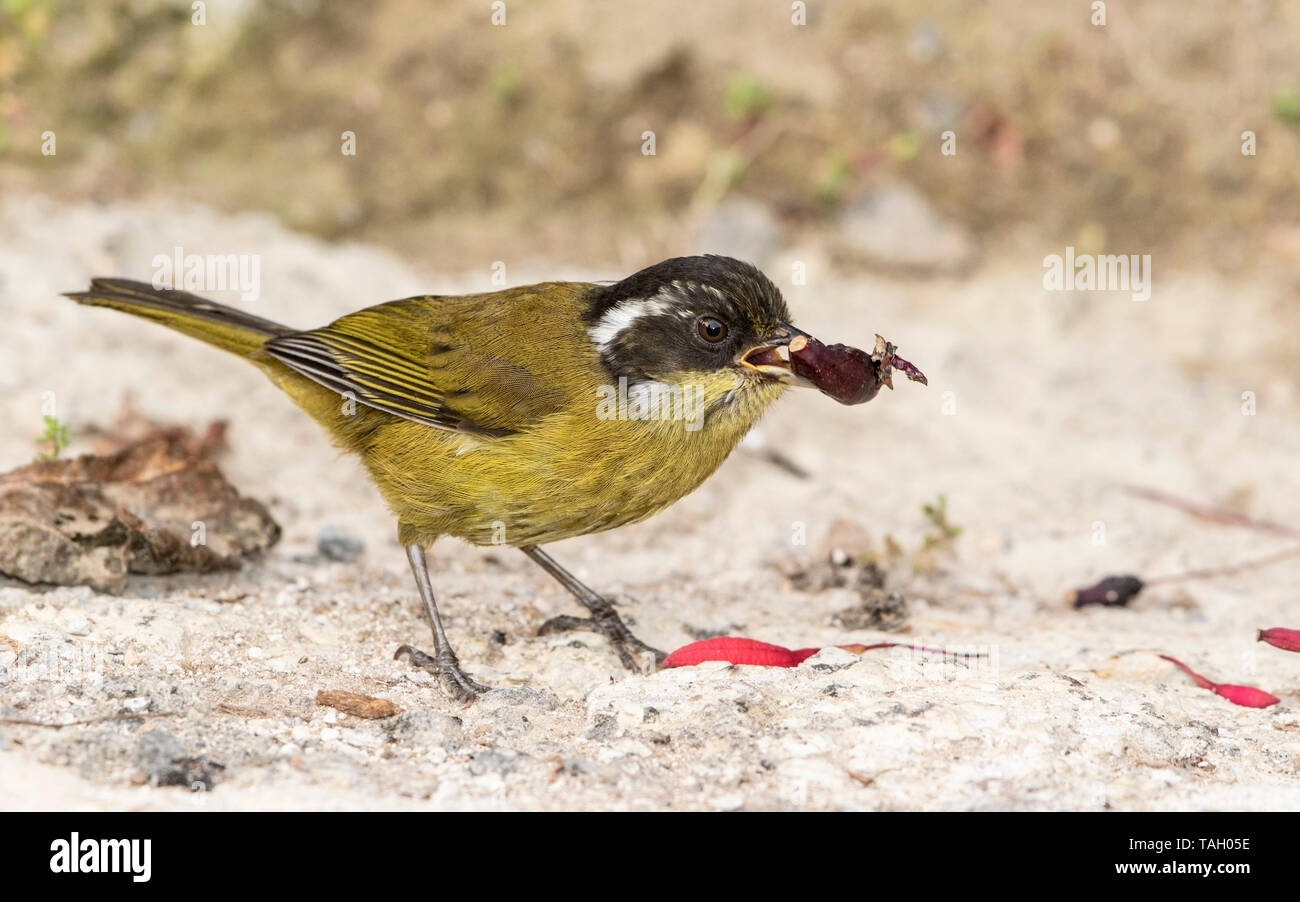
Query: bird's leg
{"x": 604, "y": 619}
{"x": 443, "y": 661}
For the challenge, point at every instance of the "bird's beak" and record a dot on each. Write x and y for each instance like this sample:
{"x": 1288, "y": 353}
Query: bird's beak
{"x": 772, "y": 357}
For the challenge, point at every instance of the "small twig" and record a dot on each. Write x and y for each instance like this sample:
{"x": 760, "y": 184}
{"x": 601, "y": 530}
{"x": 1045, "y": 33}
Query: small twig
{"x": 1226, "y": 569}
{"x": 127, "y": 715}
{"x": 782, "y": 462}
{"x": 868, "y": 779}
{"x": 241, "y": 711}
{"x": 1211, "y": 513}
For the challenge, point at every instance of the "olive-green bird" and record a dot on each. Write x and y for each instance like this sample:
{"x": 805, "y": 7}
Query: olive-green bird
{"x": 522, "y": 416}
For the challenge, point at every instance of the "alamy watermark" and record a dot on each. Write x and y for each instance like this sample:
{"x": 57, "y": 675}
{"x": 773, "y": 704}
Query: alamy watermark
{"x": 51, "y": 660}
{"x": 75, "y": 855}
{"x": 923, "y": 663}
{"x": 652, "y": 401}
{"x": 209, "y": 272}
{"x": 1098, "y": 272}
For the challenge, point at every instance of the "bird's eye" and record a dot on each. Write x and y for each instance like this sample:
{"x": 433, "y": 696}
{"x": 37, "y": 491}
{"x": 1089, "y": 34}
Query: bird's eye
{"x": 711, "y": 330}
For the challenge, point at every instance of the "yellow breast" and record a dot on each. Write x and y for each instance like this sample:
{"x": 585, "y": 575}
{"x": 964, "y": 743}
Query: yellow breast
{"x": 624, "y": 456}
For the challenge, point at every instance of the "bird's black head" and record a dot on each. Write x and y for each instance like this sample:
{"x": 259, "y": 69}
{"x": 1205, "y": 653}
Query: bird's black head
{"x": 691, "y": 314}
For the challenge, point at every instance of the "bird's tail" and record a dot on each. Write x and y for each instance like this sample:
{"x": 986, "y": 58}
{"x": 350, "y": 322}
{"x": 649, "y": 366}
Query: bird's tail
{"x": 224, "y": 327}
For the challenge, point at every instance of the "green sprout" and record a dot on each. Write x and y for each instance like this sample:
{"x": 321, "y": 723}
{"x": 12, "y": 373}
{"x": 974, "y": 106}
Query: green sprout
{"x": 937, "y": 514}
{"x": 904, "y": 146}
{"x": 55, "y": 439}
{"x": 507, "y": 86}
{"x": 835, "y": 179}
{"x": 746, "y": 98}
{"x": 1286, "y": 104}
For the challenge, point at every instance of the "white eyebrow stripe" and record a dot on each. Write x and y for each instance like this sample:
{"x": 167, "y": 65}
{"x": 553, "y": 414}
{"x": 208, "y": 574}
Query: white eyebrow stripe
{"x": 622, "y": 315}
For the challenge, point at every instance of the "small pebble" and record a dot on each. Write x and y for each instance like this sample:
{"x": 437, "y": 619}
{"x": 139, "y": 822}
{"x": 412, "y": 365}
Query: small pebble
{"x": 77, "y": 625}
{"x": 521, "y": 695}
{"x": 500, "y": 761}
{"x": 424, "y": 729}
{"x": 337, "y": 545}
{"x": 361, "y": 739}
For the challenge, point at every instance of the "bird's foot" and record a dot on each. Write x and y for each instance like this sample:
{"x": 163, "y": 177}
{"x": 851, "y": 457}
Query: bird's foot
{"x": 605, "y": 620}
{"x": 461, "y": 685}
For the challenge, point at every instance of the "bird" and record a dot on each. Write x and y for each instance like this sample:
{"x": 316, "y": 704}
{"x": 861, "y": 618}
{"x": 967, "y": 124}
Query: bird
{"x": 522, "y": 416}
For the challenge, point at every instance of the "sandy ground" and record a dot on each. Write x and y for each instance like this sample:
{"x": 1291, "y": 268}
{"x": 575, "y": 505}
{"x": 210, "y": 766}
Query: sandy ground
{"x": 1057, "y": 399}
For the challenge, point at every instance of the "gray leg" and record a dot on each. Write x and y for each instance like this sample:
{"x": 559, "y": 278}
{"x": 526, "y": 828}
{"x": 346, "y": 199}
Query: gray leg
{"x": 443, "y": 661}
{"x": 604, "y": 619}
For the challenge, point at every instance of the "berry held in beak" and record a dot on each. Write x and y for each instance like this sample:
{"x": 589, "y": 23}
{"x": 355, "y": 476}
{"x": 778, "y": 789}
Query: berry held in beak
{"x": 848, "y": 374}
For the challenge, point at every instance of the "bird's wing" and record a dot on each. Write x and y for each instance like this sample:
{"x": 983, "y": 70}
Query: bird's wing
{"x": 483, "y": 364}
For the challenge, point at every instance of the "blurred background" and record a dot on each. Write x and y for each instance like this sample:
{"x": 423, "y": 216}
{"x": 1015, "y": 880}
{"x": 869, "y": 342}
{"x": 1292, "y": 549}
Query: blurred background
{"x": 520, "y": 140}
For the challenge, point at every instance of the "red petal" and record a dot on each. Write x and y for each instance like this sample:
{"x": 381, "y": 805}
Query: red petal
{"x": 1246, "y": 696}
{"x": 1287, "y": 640}
{"x": 736, "y": 650}
{"x": 1200, "y": 680}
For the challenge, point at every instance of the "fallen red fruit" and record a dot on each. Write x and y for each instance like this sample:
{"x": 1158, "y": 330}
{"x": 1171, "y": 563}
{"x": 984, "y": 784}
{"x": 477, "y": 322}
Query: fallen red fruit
{"x": 847, "y": 374}
{"x": 735, "y": 650}
{"x": 1287, "y": 640}
{"x": 1246, "y": 696}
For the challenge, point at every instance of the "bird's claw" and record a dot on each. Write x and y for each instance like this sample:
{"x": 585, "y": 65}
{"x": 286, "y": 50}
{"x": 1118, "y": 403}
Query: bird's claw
{"x": 445, "y": 665}
{"x": 607, "y": 623}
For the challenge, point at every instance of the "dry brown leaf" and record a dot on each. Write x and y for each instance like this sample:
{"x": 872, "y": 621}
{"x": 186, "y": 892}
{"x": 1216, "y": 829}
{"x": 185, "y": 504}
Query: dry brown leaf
{"x": 356, "y": 704}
